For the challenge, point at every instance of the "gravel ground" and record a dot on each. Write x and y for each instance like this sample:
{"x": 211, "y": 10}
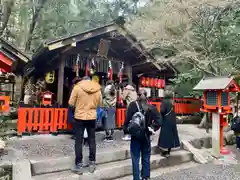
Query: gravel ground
{"x": 236, "y": 151}
{"x": 205, "y": 172}
{"x": 45, "y": 146}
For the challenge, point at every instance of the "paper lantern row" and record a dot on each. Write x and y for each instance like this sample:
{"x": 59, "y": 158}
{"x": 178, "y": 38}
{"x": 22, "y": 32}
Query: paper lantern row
{"x": 152, "y": 82}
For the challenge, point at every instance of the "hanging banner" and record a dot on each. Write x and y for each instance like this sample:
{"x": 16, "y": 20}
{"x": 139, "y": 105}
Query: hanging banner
{"x": 110, "y": 71}
{"x": 77, "y": 65}
{"x": 120, "y": 72}
{"x": 92, "y": 69}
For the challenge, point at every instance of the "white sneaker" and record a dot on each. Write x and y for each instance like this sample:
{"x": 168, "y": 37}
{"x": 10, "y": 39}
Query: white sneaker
{"x": 126, "y": 138}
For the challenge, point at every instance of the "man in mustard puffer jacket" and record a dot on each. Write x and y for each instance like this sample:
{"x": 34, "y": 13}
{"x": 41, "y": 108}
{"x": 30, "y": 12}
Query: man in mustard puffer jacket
{"x": 85, "y": 97}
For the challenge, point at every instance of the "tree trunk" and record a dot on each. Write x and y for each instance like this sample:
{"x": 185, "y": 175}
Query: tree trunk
{"x": 35, "y": 17}
{"x": 8, "y": 4}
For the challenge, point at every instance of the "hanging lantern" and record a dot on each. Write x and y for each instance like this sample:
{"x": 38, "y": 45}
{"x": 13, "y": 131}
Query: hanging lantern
{"x": 159, "y": 83}
{"x": 91, "y": 71}
{"x": 163, "y": 83}
{"x": 49, "y": 78}
{"x": 143, "y": 81}
{"x": 95, "y": 78}
{"x": 147, "y": 82}
{"x": 151, "y": 82}
{"x": 155, "y": 82}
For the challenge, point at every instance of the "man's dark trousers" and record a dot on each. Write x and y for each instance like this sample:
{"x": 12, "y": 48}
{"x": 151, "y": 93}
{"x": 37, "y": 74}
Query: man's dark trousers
{"x": 140, "y": 147}
{"x": 79, "y": 128}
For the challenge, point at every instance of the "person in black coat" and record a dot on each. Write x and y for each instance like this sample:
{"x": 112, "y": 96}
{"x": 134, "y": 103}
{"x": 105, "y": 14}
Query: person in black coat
{"x": 142, "y": 146}
{"x": 168, "y": 137}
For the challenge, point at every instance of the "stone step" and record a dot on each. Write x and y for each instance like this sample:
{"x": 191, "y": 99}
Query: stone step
{"x": 163, "y": 170}
{"x": 66, "y": 163}
{"x": 118, "y": 169}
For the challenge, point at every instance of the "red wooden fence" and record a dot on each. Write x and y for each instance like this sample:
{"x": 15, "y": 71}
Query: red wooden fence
{"x": 41, "y": 119}
{"x": 54, "y": 119}
{"x": 182, "y": 106}
{"x": 4, "y": 104}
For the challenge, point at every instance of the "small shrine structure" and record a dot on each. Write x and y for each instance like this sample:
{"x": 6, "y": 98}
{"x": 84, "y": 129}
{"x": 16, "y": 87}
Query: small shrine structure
{"x": 216, "y": 93}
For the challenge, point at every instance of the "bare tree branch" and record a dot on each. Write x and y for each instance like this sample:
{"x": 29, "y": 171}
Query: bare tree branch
{"x": 8, "y": 4}
{"x": 36, "y": 14}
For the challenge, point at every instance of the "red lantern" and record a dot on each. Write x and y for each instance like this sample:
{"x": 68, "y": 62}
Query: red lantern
{"x": 156, "y": 83}
{"x": 163, "y": 83}
{"x": 143, "y": 81}
{"x": 159, "y": 83}
{"x": 147, "y": 82}
{"x": 151, "y": 82}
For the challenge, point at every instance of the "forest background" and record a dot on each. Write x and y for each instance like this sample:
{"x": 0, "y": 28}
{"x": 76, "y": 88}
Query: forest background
{"x": 200, "y": 37}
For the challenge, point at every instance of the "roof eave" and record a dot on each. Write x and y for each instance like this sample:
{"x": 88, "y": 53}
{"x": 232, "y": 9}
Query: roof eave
{"x": 52, "y": 45}
{"x": 18, "y": 53}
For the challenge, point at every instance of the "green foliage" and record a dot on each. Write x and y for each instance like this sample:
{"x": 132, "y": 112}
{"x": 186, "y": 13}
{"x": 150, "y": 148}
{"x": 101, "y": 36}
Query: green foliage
{"x": 212, "y": 47}
{"x": 33, "y": 21}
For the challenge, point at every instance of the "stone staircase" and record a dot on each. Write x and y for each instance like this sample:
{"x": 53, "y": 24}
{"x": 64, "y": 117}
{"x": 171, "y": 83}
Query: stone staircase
{"x": 110, "y": 165}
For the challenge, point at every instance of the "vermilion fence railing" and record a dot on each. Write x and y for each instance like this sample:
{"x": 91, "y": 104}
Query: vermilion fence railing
{"x": 182, "y": 106}
{"x": 55, "y": 119}
{"x": 41, "y": 119}
{"x": 4, "y": 104}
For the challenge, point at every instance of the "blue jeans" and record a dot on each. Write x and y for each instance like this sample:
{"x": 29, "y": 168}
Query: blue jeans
{"x": 140, "y": 147}
{"x": 238, "y": 141}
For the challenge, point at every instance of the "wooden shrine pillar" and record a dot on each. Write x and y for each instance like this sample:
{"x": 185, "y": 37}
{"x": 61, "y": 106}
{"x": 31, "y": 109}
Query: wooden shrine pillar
{"x": 128, "y": 68}
{"x": 60, "y": 81}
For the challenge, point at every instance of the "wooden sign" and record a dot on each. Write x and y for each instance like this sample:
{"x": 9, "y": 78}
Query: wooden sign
{"x": 103, "y": 48}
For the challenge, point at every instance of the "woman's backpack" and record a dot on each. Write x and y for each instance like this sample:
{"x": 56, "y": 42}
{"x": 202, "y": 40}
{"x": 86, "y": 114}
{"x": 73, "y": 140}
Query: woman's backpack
{"x": 137, "y": 125}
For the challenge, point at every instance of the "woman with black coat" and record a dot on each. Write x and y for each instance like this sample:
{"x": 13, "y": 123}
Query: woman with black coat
{"x": 168, "y": 137}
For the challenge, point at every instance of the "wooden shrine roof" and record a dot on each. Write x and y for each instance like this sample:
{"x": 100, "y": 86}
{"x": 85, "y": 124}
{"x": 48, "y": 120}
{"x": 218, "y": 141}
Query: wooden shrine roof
{"x": 215, "y": 83}
{"x": 124, "y": 46}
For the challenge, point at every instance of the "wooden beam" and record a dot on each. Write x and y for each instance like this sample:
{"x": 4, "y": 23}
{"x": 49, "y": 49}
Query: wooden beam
{"x": 60, "y": 81}
{"x": 113, "y": 59}
{"x": 80, "y": 37}
{"x": 60, "y": 53}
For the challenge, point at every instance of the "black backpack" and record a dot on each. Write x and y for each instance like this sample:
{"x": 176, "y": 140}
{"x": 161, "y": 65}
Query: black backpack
{"x": 137, "y": 125}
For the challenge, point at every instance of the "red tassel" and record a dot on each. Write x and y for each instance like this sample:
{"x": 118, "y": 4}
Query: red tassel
{"x": 110, "y": 74}
{"x": 120, "y": 77}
